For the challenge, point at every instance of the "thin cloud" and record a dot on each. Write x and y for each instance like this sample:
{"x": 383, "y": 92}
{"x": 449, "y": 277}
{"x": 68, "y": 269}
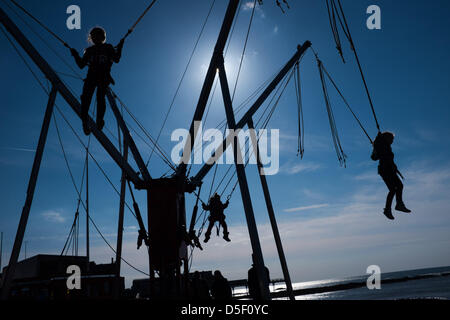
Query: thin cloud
{"x": 53, "y": 216}
{"x": 249, "y": 5}
{"x": 313, "y": 194}
{"x": 19, "y": 149}
{"x": 304, "y": 208}
{"x": 275, "y": 30}
{"x": 367, "y": 176}
{"x": 299, "y": 167}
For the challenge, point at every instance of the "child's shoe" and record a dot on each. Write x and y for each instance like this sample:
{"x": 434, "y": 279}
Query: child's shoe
{"x": 388, "y": 213}
{"x": 401, "y": 207}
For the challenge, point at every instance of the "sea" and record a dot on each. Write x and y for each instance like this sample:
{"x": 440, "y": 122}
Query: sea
{"x": 429, "y": 283}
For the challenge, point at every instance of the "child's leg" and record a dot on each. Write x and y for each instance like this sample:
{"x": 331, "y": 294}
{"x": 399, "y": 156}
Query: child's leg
{"x": 86, "y": 98}
{"x": 225, "y": 227}
{"x": 389, "y": 198}
{"x": 225, "y": 230}
{"x": 208, "y": 231}
{"x": 388, "y": 180}
{"x": 101, "y": 104}
{"x": 398, "y": 189}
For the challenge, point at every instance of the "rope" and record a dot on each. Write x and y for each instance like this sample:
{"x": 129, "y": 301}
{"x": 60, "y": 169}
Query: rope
{"x": 90, "y": 218}
{"x": 24, "y": 61}
{"x": 217, "y": 80}
{"x": 334, "y": 29}
{"x": 334, "y": 132}
{"x": 69, "y": 236}
{"x": 61, "y": 40}
{"x": 279, "y": 92}
{"x": 182, "y": 78}
{"x": 138, "y": 20}
{"x": 96, "y": 162}
{"x": 282, "y": 84}
{"x": 79, "y": 198}
{"x": 278, "y": 100}
{"x": 84, "y": 206}
{"x": 279, "y": 5}
{"x": 70, "y": 171}
{"x": 301, "y": 126}
{"x": 106, "y": 241}
{"x": 75, "y": 75}
{"x": 204, "y": 121}
{"x": 223, "y": 124}
{"x": 346, "y": 103}
{"x": 243, "y": 50}
{"x": 163, "y": 156}
{"x": 343, "y": 21}
{"x": 40, "y": 23}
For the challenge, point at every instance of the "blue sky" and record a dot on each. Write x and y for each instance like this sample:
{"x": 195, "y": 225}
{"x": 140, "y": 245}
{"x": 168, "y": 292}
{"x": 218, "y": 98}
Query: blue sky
{"x": 330, "y": 218}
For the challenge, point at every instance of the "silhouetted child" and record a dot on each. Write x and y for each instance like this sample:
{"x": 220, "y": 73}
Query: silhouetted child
{"x": 221, "y": 289}
{"x": 216, "y": 207}
{"x": 387, "y": 169}
{"x": 99, "y": 57}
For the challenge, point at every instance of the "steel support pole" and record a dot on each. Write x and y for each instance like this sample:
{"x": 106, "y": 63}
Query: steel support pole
{"x": 209, "y": 80}
{"x": 87, "y": 210}
{"x": 249, "y": 114}
{"x": 127, "y": 137}
{"x": 1, "y": 251}
{"x": 123, "y": 188}
{"x": 9, "y": 273}
{"x": 273, "y": 221}
{"x": 243, "y": 185}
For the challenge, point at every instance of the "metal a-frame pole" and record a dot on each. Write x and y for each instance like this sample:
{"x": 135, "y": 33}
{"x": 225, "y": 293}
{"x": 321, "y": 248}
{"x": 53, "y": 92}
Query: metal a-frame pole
{"x": 127, "y": 137}
{"x": 273, "y": 221}
{"x": 9, "y": 273}
{"x": 255, "y": 107}
{"x": 87, "y": 211}
{"x": 123, "y": 188}
{"x": 209, "y": 80}
{"x": 1, "y": 250}
{"x": 245, "y": 192}
{"x": 217, "y": 63}
{"x": 248, "y": 115}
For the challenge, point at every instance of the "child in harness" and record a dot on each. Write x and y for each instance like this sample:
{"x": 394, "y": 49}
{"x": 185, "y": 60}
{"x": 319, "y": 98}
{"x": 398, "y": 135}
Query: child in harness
{"x": 99, "y": 57}
{"x": 388, "y": 171}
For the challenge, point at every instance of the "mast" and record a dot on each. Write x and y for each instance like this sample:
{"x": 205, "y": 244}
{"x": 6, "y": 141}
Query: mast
{"x": 123, "y": 184}
{"x": 87, "y": 207}
{"x": 8, "y": 276}
{"x": 209, "y": 80}
{"x": 1, "y": 250}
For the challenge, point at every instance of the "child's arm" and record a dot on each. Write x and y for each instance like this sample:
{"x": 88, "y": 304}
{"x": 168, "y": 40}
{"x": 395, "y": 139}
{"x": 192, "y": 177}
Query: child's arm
{"x": 225, "y": 205}
{"x": 81, "y": 62}
{"x": 118, "y": 51}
